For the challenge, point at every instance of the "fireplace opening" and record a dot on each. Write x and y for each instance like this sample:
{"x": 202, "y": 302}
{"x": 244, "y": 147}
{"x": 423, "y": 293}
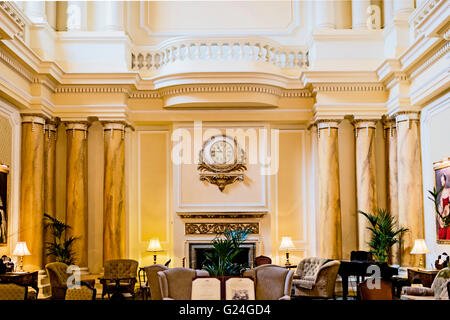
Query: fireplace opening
{"x": 197, "y": 254}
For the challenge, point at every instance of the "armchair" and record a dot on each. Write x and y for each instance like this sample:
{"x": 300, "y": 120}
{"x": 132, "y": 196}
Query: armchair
{"x": 176, "y": 283}
{"x": 12, "y": 291}
{"x": 119, "y": 277}
{"x": 439, "y": 289}
{"x": 260, "y": 260}
{"x": 316, "y": 278}
{"x": 84, "y": 292}
{"x": 57, "y": 274}
{"x": 153, "y": 280}
{"x": 272, "y": 282}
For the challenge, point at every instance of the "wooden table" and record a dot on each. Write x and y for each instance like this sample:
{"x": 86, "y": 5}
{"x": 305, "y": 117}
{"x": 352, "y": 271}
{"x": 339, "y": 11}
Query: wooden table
{"x": 426, "y": 277}
{"x": 359, "y": 269}
{"x": 29, "y": 279}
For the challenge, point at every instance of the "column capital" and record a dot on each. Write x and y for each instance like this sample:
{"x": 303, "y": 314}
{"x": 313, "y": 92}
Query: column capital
{"x": 325, "y": 124}
{"x": 365, "y": 123}
{"x": 35, "y": 118}
{"x": 82, "y": 126}
{"x": 406, "y": 116}
{"x": 116, "y": 125}
{"x": 389, "y": 123}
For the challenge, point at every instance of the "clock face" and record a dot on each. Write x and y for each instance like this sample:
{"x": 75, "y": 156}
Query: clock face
{"x": 222, "y": 152}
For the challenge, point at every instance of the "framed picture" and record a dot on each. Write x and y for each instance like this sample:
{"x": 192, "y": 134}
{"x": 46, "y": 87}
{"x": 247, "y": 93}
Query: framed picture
{"x": 442, "y": 180}
{"x": 3, "y": 205}
{"x": 206, "y": 288}
{"x": 239, "y": 288}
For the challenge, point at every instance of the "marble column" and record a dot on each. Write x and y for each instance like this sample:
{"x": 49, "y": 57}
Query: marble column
{"x": 114, "y": 228}
{"x": 32, "y": 190}
{"x": 365, "y": 177}
{"x": 390, "y": 138}
{"x": 324, "y": 14}
{"x": 330, "y": 234}
{"x": 76, "y": 197}
{"x": 359, "y": 13}
{"x": 410, "y": 194}
{"x": 49, "y": 179}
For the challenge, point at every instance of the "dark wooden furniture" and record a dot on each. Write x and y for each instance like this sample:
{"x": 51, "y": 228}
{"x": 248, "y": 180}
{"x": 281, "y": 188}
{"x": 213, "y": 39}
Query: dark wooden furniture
{"x": 382, "y": 292}
{"x": 28, "y": 279}
{"x": 144, "y": 289}
{"x": 398, "y": 282}
{"x": 448, "y": 289}
{"x": 260, "y": 260}
{"x": 425, "y": 277}
{"x": 359, "y": 269}
{"x": 117, "y": 287}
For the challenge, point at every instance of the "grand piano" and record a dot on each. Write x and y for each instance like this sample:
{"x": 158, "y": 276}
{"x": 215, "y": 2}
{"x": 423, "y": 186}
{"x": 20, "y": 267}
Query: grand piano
{"x": 359, "y": 268}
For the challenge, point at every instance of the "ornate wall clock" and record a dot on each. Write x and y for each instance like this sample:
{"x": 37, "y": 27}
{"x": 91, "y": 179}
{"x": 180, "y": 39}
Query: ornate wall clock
{"x": 222, "y": 161}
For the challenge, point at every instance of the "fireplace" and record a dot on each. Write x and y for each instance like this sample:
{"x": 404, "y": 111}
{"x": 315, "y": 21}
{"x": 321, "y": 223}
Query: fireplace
{"x": 197, "y": 254}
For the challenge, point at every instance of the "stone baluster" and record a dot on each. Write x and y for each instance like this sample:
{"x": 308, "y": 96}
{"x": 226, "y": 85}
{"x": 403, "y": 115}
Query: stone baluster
{"x": 330, "y": 234}
{"x": 388, "y": 13}
{"x": 403, "y": 7}
{"x": 76, "y": 192}
{"x": 114, "y": 231}
{"x": 35, "y": 10}
{"x": 32, "y": 190}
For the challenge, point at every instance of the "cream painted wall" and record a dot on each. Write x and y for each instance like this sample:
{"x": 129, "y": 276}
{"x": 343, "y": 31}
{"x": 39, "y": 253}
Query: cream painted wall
{"x": 287, "y": 194}
{"x": 435, "y": 119}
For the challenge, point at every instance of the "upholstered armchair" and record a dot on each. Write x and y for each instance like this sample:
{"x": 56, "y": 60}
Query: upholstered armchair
{"x": 12, "y": 291}
{"x": 272, "y": 282}
{"x": 151, "y": 273}
{"x": 57, "y": 274}
{"x": 316, "y": 278}
{"x": 438, "y": 290}
{"x": 176, "y": 283}
{"x": 119, "y": 276}
{"x": 83, "y": 292}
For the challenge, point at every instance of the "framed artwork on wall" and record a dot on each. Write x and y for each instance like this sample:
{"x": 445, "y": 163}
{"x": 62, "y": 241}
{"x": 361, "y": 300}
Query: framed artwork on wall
{"x": 442, "y": 180}
{"x": 3, "y": 204}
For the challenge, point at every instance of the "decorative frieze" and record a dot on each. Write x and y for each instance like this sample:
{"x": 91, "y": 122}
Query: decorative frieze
{"x": 15, "y": 65}
{"x": 352, "y": 87}
{"x": 217, "y": 228}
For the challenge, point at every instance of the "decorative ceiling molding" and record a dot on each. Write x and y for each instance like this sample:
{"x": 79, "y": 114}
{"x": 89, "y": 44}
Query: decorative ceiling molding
{"x": 222, "y": 88}
{"x": 351, "y": 87}
{"x": 19, "y": 20}
{"x": 442, "y": 51}
{"x": 91, "y": 89}
{"x": 14, "y": 64}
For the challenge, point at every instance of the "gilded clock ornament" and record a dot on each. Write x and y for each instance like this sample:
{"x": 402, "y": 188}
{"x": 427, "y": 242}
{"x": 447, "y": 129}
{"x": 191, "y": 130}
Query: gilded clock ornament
{"x": 222, "y": 161}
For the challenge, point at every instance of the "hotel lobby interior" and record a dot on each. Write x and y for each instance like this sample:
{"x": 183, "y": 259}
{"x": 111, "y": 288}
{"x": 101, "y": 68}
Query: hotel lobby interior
{"x": 225, "y": 150}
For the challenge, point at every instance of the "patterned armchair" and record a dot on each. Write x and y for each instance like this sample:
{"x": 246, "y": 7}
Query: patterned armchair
{"x": 12, "y": 291}
{"x": 316, "y": 278}
{"x": 84, "y": 292}
{"x": 272, "y": 282}
{"x": 57, "y": 274}
{"x": 438, "y": 290}
{"x": 176, "y": 283}
{"x": 153, "y": 280}
{"x": 119, "y": 276}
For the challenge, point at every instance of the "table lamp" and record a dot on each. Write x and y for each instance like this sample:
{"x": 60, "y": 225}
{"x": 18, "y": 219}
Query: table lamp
{"x": 154, "y": 246}
{"x": 287, "y": 244}
{"x": 20, "y": 251}
{"x": 420, "y": 247}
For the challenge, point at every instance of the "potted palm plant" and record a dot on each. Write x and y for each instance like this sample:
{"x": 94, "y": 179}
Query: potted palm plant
{"x": 60, "y": 247}
{"x": 384, "y": 234}
{"x": 220, "y": 261}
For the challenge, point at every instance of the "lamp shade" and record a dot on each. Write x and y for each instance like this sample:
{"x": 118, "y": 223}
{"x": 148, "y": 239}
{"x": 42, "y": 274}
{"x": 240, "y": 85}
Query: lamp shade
{"x": 21, "y": 249}
{"x": 420, "y": 247}
{"x": 154, "y": 245}
{"x": 286, "y": 243}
